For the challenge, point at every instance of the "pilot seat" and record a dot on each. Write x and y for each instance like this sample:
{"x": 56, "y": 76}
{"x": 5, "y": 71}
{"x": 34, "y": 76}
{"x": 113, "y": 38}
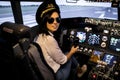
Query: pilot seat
{"x": 20, "y": 57}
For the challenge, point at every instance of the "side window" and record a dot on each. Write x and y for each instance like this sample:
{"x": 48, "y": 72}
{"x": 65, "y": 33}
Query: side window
{"x": 28, "y": 12}
{"x": 6, "y": 12}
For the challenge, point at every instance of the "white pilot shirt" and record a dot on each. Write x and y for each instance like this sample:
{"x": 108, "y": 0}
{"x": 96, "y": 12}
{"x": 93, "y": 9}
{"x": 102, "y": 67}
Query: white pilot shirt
{"x": 51, "y": 51}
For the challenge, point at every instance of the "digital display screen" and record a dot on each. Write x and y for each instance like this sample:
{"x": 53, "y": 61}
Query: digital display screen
{"x": 109, "y": 59}
{"x": 93, "y": 39}
{"x": 81, "y": 36}
{"x": 115, "y": 44}
{"x": 96, "y": 56}
{"x": 97, "y": 52}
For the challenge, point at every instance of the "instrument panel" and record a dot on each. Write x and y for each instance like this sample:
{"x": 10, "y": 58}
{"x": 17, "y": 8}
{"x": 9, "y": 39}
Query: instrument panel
{"x": 95, "y": 33}
{"x": 99, "y": 40}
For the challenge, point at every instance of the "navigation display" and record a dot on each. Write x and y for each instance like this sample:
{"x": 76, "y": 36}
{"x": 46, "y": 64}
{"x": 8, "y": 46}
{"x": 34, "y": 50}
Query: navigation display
{"x": 93, "y": 39}
{"x": 115, "y": 44}
{"x": 109, "y": 59}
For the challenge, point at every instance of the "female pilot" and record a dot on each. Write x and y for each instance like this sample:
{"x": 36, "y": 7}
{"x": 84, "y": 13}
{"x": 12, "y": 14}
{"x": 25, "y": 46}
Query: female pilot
{"x": 48, "y": 18}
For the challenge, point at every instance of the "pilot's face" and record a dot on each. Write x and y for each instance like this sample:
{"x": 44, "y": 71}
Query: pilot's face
{"x": 53, "y": 22}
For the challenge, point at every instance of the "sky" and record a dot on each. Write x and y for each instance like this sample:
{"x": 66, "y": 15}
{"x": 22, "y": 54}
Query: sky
{"x": 64, "y": 2}
{"x": 4, "y": 3}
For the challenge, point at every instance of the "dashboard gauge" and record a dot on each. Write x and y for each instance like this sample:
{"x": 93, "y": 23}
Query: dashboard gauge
{"x": 104, "y": 38}
{"x": 103, "y": 44}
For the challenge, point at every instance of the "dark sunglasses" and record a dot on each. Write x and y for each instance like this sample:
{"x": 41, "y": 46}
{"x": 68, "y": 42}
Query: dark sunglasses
{"x": 51, "y": 20}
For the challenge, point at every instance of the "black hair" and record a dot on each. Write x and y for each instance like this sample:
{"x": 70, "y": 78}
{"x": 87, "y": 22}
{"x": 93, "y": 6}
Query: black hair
{"x": 43, "y": 27}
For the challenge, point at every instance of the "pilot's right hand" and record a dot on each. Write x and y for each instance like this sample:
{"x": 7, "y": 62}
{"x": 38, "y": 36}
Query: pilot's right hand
{"x": 74, "y": 49}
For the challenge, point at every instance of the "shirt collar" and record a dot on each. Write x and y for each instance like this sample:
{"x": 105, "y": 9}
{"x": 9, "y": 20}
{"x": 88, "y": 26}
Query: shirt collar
{"x": 50, "y": 33}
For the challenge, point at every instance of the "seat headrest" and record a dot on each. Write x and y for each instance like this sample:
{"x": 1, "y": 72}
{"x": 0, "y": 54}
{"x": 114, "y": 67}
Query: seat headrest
{"x": 14, "y": 32}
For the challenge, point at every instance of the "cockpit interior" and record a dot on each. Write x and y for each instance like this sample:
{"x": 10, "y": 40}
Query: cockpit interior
{"x": 99, "y": 45}
{"x": 98, "y": 40}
